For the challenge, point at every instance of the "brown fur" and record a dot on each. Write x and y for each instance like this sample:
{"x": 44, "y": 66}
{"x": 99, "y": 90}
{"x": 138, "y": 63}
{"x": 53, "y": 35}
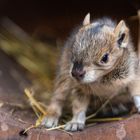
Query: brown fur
{"x": 88, "y": 45}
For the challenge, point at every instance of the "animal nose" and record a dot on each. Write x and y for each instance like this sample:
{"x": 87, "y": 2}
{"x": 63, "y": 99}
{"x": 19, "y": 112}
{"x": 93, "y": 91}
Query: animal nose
{"x": 77, "y": 70}
{"x": 78, "y": 74}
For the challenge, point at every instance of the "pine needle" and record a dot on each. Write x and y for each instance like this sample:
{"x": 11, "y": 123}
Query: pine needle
{"x": 29, "y": 128}
{"x": 34, "y": 102}
{"x": 57, "y": 127}
{"x": 39, "y": 120}
{"x": 37, "y": 109}
{"x": 66, "y": 131}
{"x": 106, "y": 119}
{"x": 94, "y": 114}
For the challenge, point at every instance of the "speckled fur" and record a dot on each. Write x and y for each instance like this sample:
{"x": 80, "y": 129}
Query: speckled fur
{"x": 87, "y": 45}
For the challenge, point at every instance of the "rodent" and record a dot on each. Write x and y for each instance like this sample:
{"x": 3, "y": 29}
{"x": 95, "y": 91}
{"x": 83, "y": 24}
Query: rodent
{"x": 98, "y": 58}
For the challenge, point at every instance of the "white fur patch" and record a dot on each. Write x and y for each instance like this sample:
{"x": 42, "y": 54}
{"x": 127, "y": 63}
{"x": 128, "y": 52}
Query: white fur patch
{"x": 90, "y": 76}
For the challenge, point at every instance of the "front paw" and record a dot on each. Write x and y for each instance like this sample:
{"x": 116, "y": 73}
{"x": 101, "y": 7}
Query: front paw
{"x": 74, "y": 126}
{"x": 50, "y": 121}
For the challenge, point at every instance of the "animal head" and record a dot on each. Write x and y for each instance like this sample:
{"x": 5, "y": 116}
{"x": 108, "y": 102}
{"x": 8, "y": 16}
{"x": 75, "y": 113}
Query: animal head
{"x": 97, "y": 48}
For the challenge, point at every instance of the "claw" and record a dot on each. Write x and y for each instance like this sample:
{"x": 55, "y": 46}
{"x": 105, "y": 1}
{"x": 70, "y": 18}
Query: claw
{"x": 50, "y": 122}
{"x": 74, "y": 126}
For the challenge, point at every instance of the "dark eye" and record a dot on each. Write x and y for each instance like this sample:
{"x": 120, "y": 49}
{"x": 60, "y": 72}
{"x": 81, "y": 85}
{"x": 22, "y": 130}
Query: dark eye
{"x": 105, "y": 58}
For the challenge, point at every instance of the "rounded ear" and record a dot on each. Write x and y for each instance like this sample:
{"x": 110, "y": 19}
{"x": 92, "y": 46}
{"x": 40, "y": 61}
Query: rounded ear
{"x": 86, "y": 20}
{"x": 122, "y": 34}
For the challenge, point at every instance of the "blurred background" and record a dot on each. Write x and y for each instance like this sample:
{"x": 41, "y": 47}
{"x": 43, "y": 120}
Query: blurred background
{"x": 32, "y": 33}
{"x": 54, "y": 19}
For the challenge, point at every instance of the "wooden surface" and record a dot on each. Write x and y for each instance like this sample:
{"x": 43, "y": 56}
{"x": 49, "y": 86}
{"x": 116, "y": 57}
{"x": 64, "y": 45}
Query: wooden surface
{"x": 128, "y": 129}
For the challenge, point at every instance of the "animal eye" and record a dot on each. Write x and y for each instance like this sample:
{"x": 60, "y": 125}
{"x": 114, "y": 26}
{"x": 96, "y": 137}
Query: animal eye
{"x": 105, "y": 58}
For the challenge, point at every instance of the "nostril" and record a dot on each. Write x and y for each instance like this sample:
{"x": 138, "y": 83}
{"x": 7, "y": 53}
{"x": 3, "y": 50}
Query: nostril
{"x": 81, "y": 74}
{"x": 78, "y": 74}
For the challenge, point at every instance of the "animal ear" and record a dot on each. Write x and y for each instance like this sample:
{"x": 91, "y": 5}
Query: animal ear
{"x": 86, "y": 20}
{"x": 122, "y": 34}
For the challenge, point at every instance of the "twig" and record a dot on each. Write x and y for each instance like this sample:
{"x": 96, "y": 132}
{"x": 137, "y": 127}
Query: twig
{"x": 106, "y": 102}
{"x": 34, "y": 102}
{"x": 29, "y": 128}
{"x": 36, "y": 112}
{"x": 66, "y": 131}
{"x": 58, "y": 127}
{"x": 106, "y": 119}
{"x": 91, "y": 124}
